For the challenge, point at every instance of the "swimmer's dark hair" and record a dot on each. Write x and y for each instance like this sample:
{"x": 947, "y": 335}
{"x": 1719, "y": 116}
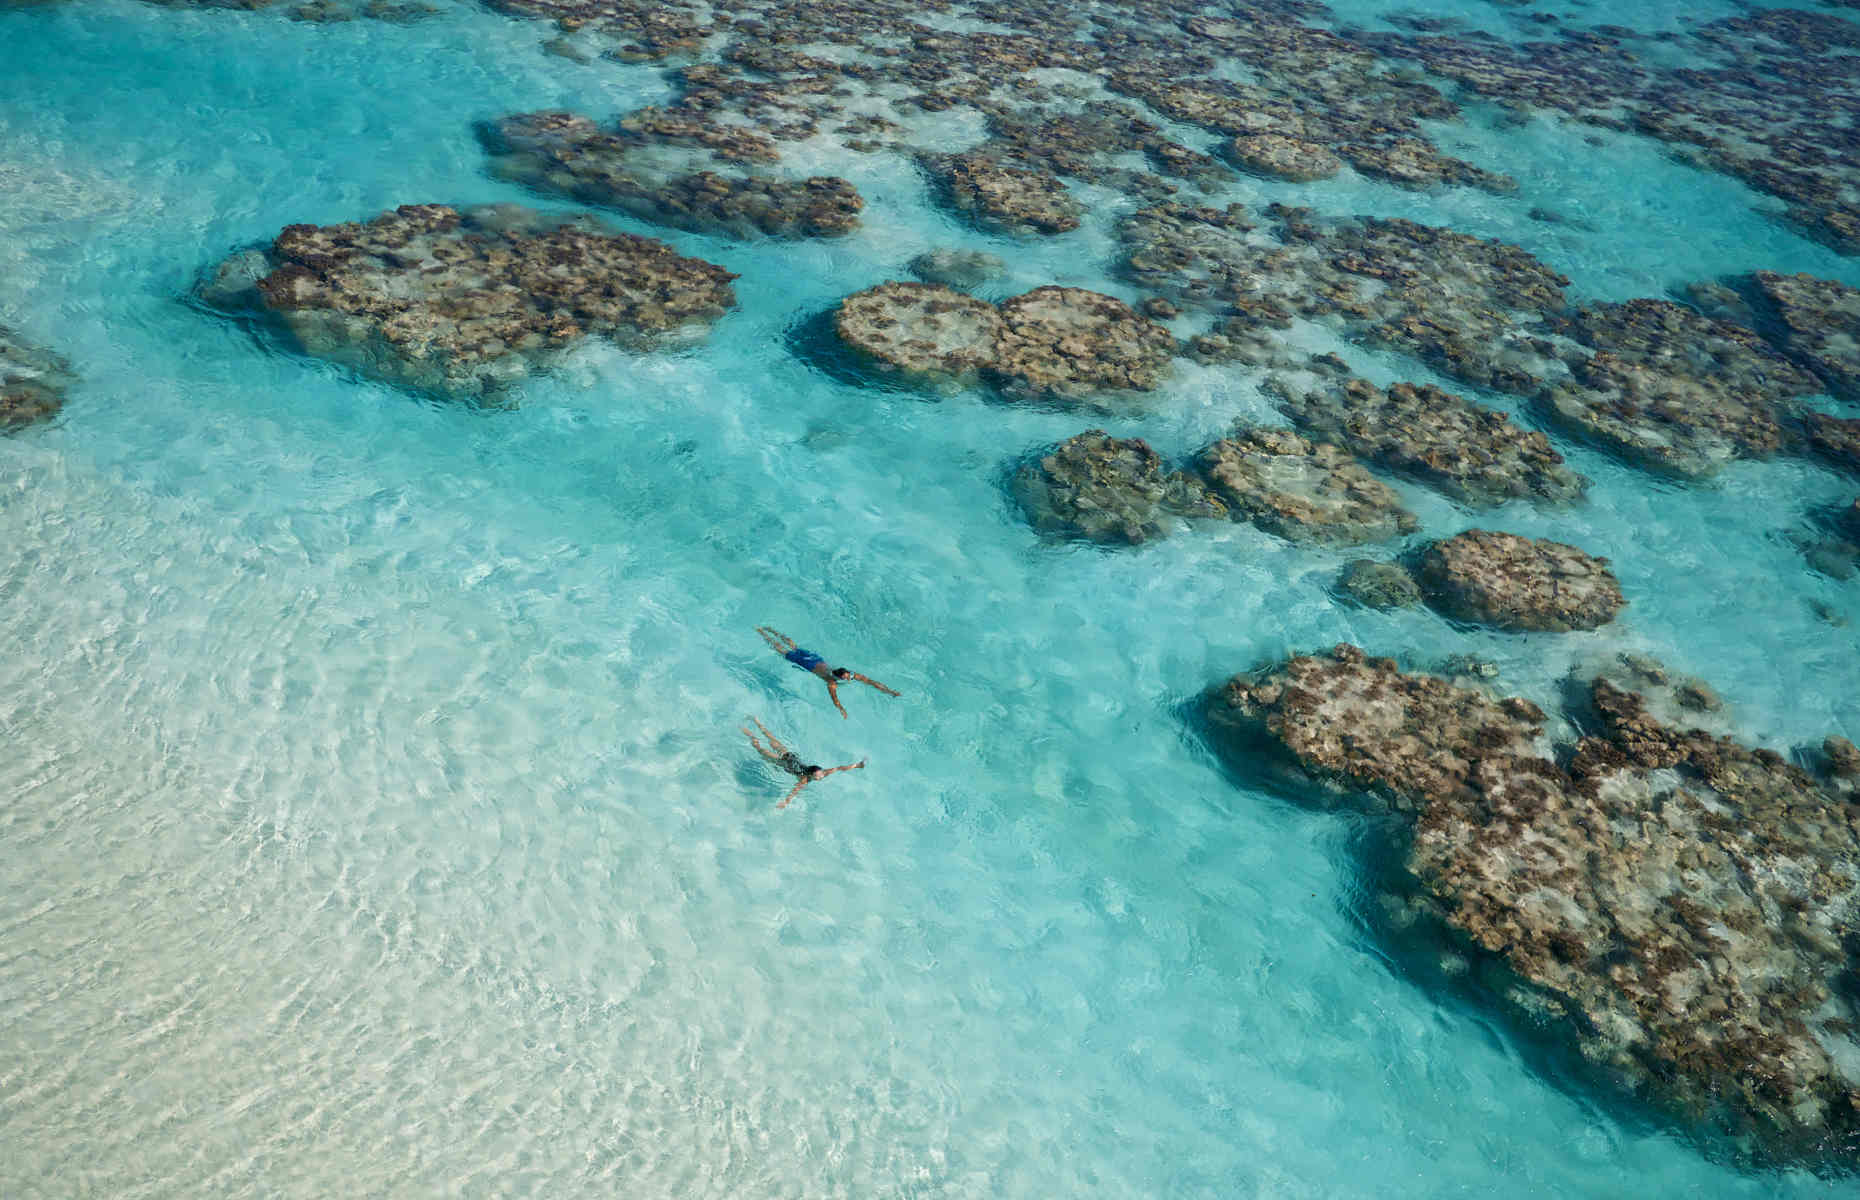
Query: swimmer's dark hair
{"x": 841, "y": 673}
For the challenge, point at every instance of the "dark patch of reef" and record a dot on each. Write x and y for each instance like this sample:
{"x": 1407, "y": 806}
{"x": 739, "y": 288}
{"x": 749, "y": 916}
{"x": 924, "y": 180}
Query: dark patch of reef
{"x": 1677, "y": 906}
{"x": 1301, "y": 490}
{"x": 33, "y": 382}
{"x": 1473, "y": 454}
{"x": 1758, "y": 110}
{"x": 876, "y": 74}
{"x": 465, "y": 303}
{"x": 1115, "y": 491}
{"x": 1058, "y": 343}
{"x": 676, "y": 171}
{"x": 1517, "y": 583}
{"x": 1671, "y": 387}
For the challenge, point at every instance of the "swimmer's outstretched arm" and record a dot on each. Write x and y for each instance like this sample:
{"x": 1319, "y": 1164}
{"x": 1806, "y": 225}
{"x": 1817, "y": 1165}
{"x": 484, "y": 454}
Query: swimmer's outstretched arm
{"x": 833, "y": 694}
{"x": 779, "y": 642}
{"x": 871, "y": 683}
{"x": 804, "y": 781}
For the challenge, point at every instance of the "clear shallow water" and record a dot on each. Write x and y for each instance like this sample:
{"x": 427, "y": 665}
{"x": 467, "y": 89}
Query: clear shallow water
{"x": 376, "y": 818}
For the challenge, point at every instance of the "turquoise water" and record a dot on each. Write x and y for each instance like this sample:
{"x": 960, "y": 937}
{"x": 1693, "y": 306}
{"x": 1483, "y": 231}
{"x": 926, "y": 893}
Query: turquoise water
{"x": 376, "y": 821}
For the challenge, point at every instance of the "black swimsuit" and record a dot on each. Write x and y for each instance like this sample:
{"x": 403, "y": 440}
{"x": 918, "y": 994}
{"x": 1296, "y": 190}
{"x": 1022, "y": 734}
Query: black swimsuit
{"x": 791, "y": 763}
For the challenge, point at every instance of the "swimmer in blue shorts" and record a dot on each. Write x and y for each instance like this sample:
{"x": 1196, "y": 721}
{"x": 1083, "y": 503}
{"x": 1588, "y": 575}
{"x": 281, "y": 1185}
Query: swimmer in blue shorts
{"x": 804, "y": 772}
{"x": 813, "y": 664}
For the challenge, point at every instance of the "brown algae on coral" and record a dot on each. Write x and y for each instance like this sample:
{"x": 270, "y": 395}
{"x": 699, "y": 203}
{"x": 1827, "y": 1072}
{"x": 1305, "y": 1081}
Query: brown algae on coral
{"x": 466, "y": 303}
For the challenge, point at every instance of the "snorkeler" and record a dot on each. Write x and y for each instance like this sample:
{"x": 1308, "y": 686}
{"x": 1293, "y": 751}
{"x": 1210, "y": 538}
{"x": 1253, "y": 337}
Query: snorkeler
{"x": 790, "y": 762}
{"x": 812, "y": 663}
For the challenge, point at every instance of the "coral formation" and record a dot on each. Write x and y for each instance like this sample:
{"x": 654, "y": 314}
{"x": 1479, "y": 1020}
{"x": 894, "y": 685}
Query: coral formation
{"x": 1004, "y": 198}
{"x": 1518, "y": 583}
{"x": 1305, "y": 491}
{"x": 33, "y": 382}
{"x": 920, "y": 332}
{"x": 466, "y": 303}
{"x": 1378, "y": 584}
{"x": 666, "y": 171}
{"x": 1052, "y": 342}
{"x": 957, "y": 268}
{"x": 1679, "y": 903}
{"x": 1110, "y": 490}
{"x": 1473, "y": 454}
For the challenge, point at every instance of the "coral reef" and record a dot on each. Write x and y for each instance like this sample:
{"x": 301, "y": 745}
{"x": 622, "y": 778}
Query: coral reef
{"x": 1679, "y": 904}
{"x": 1836, "y": 439}
{"x": 1378, "y": 584}
{"x": 1305, "y": 491}
{"x": 920, "y": 332}
{"x": 465, "y": 303}
{"x": 665, "y": 171}
{"x": 1052, "y": 342}
{"x": 1109, "y": 490}
{"x": 1469, "y": 307}
{"x": 1760, "y": 115}
{"x": 33, "y": 382}
{"x": 957, "y": 268}
{"x": 1004, "y": 198}
{"x": 1067, "y": 341}
{"x": 1675, "y": 390}
{"x": 1518, "y": 583}
{"x": 1658, "y": 383}
{"x": 1816, "y": 322}
{"x": 1473, "y": 454}
{"x": 1281, "y": 157}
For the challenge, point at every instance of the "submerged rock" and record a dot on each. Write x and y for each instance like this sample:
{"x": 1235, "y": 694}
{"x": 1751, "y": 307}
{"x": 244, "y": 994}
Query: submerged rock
{"x": 1677, "y": 904}
{"x": 1658, "y": 383}
{"x": 33, "y": 382}
{"x": 1004, "y": 198}
{"x": 1110, "y": 490}
{"x": 1817, "y": 323}
{"x": 1473, "y": 454}
{"x": 1519, "y": 583}
{"x": 1413, "y": 163}
{"x": 1052, "y": 342}
{"x": 1070, "y": 342}
{"x": 920, "y": 332}
{"x": 1833, "y": 548}
{"x": 465, "y": 303}
{"x": 666, "y": 171}
{"x": 958, "y": 268}
{"x": 1669, "y": 696}
{"x": 1472, "y": 308}
{"x": 1836, "y": 439}
{"x": 1305, "y": 491}
{"x": 1281, "y": 157}
{"x": 1379, "y": 584}
{"x": 1675, "y": 390}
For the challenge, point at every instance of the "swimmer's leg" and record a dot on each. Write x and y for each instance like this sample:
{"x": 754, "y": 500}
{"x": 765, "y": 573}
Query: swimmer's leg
{"x": 768, "y": 754}
{"x": 773, "y": 740}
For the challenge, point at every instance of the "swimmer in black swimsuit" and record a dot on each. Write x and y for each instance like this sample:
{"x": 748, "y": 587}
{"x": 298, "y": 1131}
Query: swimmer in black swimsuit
{"x": 813, "y": 664}
{"x": 790, "y": 762}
